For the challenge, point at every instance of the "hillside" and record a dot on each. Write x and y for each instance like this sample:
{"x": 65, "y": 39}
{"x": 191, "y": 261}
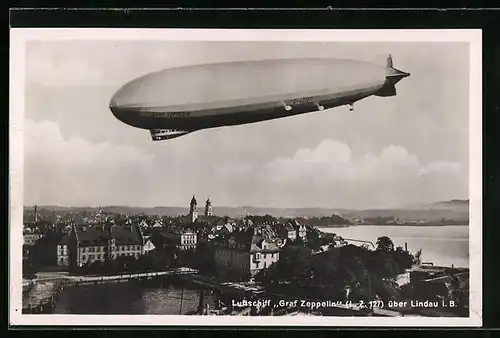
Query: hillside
{"x": 450, "y": 210}
{"x": 453, "y": 205}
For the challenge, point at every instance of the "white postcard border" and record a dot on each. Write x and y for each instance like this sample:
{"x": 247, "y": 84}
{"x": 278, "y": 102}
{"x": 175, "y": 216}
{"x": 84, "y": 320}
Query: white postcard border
{"x": 19, "y": 37}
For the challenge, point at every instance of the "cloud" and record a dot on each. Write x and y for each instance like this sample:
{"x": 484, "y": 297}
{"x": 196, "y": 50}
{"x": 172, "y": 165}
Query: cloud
{"x": 441, "y": 168}
{"x": 333, "y": 161}
{"x": 75, "y": 171}
{"x": 44, "y": 140}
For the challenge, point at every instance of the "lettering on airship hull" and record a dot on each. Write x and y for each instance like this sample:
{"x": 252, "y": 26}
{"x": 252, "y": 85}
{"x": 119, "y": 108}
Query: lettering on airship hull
{"x": 307, "y": 99}
{"x": 171, "y": 114}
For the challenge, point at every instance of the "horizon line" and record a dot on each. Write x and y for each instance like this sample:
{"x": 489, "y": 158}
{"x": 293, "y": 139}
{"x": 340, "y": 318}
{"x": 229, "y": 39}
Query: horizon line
{"x": 247, "y": 206}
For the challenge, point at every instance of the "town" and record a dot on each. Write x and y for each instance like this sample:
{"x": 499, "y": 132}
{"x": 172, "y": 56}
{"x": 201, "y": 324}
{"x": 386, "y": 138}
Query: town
{"x": 281, "y": 258}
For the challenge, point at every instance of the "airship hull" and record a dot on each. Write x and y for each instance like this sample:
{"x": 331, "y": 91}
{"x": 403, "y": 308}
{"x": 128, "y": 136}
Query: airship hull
{"x": 216, "y": 95}
{"x": 240, "y": 113}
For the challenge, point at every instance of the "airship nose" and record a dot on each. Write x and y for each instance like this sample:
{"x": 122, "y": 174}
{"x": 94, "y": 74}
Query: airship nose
{"x": 116, "y": 108}
{"x": 116, "y": 111}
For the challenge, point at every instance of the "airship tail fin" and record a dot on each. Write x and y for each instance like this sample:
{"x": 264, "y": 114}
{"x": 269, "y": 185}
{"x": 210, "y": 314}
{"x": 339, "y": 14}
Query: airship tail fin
{"x": 383, "y": 60}
{"x": 393, "y": 76}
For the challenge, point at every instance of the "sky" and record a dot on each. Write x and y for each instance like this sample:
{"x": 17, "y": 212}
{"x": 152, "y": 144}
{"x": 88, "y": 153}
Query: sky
{"x": 402, "y": 150}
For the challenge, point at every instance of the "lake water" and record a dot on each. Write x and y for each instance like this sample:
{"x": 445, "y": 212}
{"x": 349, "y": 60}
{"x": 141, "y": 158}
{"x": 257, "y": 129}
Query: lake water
{"x": 127, "y": 298}
{"x": 441, "y": 245}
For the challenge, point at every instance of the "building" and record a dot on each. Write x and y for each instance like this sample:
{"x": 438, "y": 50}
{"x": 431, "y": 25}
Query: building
{"x": 301, "y": 230}
{"x": 148, "y": 245}
{"x": 86, "y": 245}
{"x": 291, "y": 232}
{"x": 31, "y": 236}
{"x": 63, "y": 251}
{"x": 244, "y": 253}
{"x": 195, "y": 217}
{"x": 157, "y": 224}
{"x": 193, "y": 210}
{"x": 182, "y": 239}
{"x": 33, "y": 231}
{"x": 144, "y": 224}
{"x": 208, "y": 208}
{"x": 223, "y": 228}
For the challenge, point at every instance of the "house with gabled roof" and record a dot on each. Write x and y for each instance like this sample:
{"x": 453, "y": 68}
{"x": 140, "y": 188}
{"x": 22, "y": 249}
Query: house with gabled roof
{"x": 291, "y": 232}
{"x": 245, "y": 253}
{"x": 85, "y": 245}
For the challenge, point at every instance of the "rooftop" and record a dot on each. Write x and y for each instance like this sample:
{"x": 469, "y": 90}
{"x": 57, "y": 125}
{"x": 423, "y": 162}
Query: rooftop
{"x": 99, "y": 235}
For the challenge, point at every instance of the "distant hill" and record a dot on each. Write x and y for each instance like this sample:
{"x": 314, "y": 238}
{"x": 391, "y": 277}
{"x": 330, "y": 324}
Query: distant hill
{"x": 457, "y": 205}
{"x": 453, "y": 205}
{"x": 450, "y": 210}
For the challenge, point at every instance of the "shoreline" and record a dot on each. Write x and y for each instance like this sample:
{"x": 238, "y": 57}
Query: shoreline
{"x": 393, "y": 225}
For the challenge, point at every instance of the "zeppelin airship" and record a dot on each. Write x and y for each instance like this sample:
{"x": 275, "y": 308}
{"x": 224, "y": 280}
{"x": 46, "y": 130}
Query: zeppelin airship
{"x": 177, "y": 101}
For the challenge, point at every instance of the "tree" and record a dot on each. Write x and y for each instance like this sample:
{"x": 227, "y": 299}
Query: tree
{"x": 365, "y": 246}
{"x": 313, "y": 240}
{"x": 293, "y": 265}
{"x": 417, "y": 260}
{"x": 385, "y": 244}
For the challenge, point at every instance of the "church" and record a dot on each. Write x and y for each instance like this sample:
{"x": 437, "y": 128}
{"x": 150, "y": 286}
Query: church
{"x": 194, "y": 217}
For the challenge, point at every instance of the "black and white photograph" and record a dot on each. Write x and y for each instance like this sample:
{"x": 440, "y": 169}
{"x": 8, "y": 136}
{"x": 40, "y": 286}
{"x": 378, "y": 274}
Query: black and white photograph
{"x": 191, "y": 177}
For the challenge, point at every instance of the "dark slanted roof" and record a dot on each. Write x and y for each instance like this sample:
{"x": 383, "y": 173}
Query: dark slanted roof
{"x": 99, "y": 235}
{"x": 64, "y": 240}
{"x": 249, "y": 241}
{"x": 171, "y": 237}
{"x": 257, "y": 244}
{"x": 127, "y": 235}
{"x": 289, "y": 227}
{"x": 92, "y": 236}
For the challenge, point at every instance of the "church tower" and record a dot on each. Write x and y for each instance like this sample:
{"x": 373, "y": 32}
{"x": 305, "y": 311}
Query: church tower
{"x": 35, "y": 216}
{"x": 193, "y": 210}
{"x": 208, "y": 207}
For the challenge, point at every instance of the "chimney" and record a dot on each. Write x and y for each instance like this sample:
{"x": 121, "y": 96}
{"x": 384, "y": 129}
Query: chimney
{"x": 406, "y": 246}
{"x": 35, "y": 217}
